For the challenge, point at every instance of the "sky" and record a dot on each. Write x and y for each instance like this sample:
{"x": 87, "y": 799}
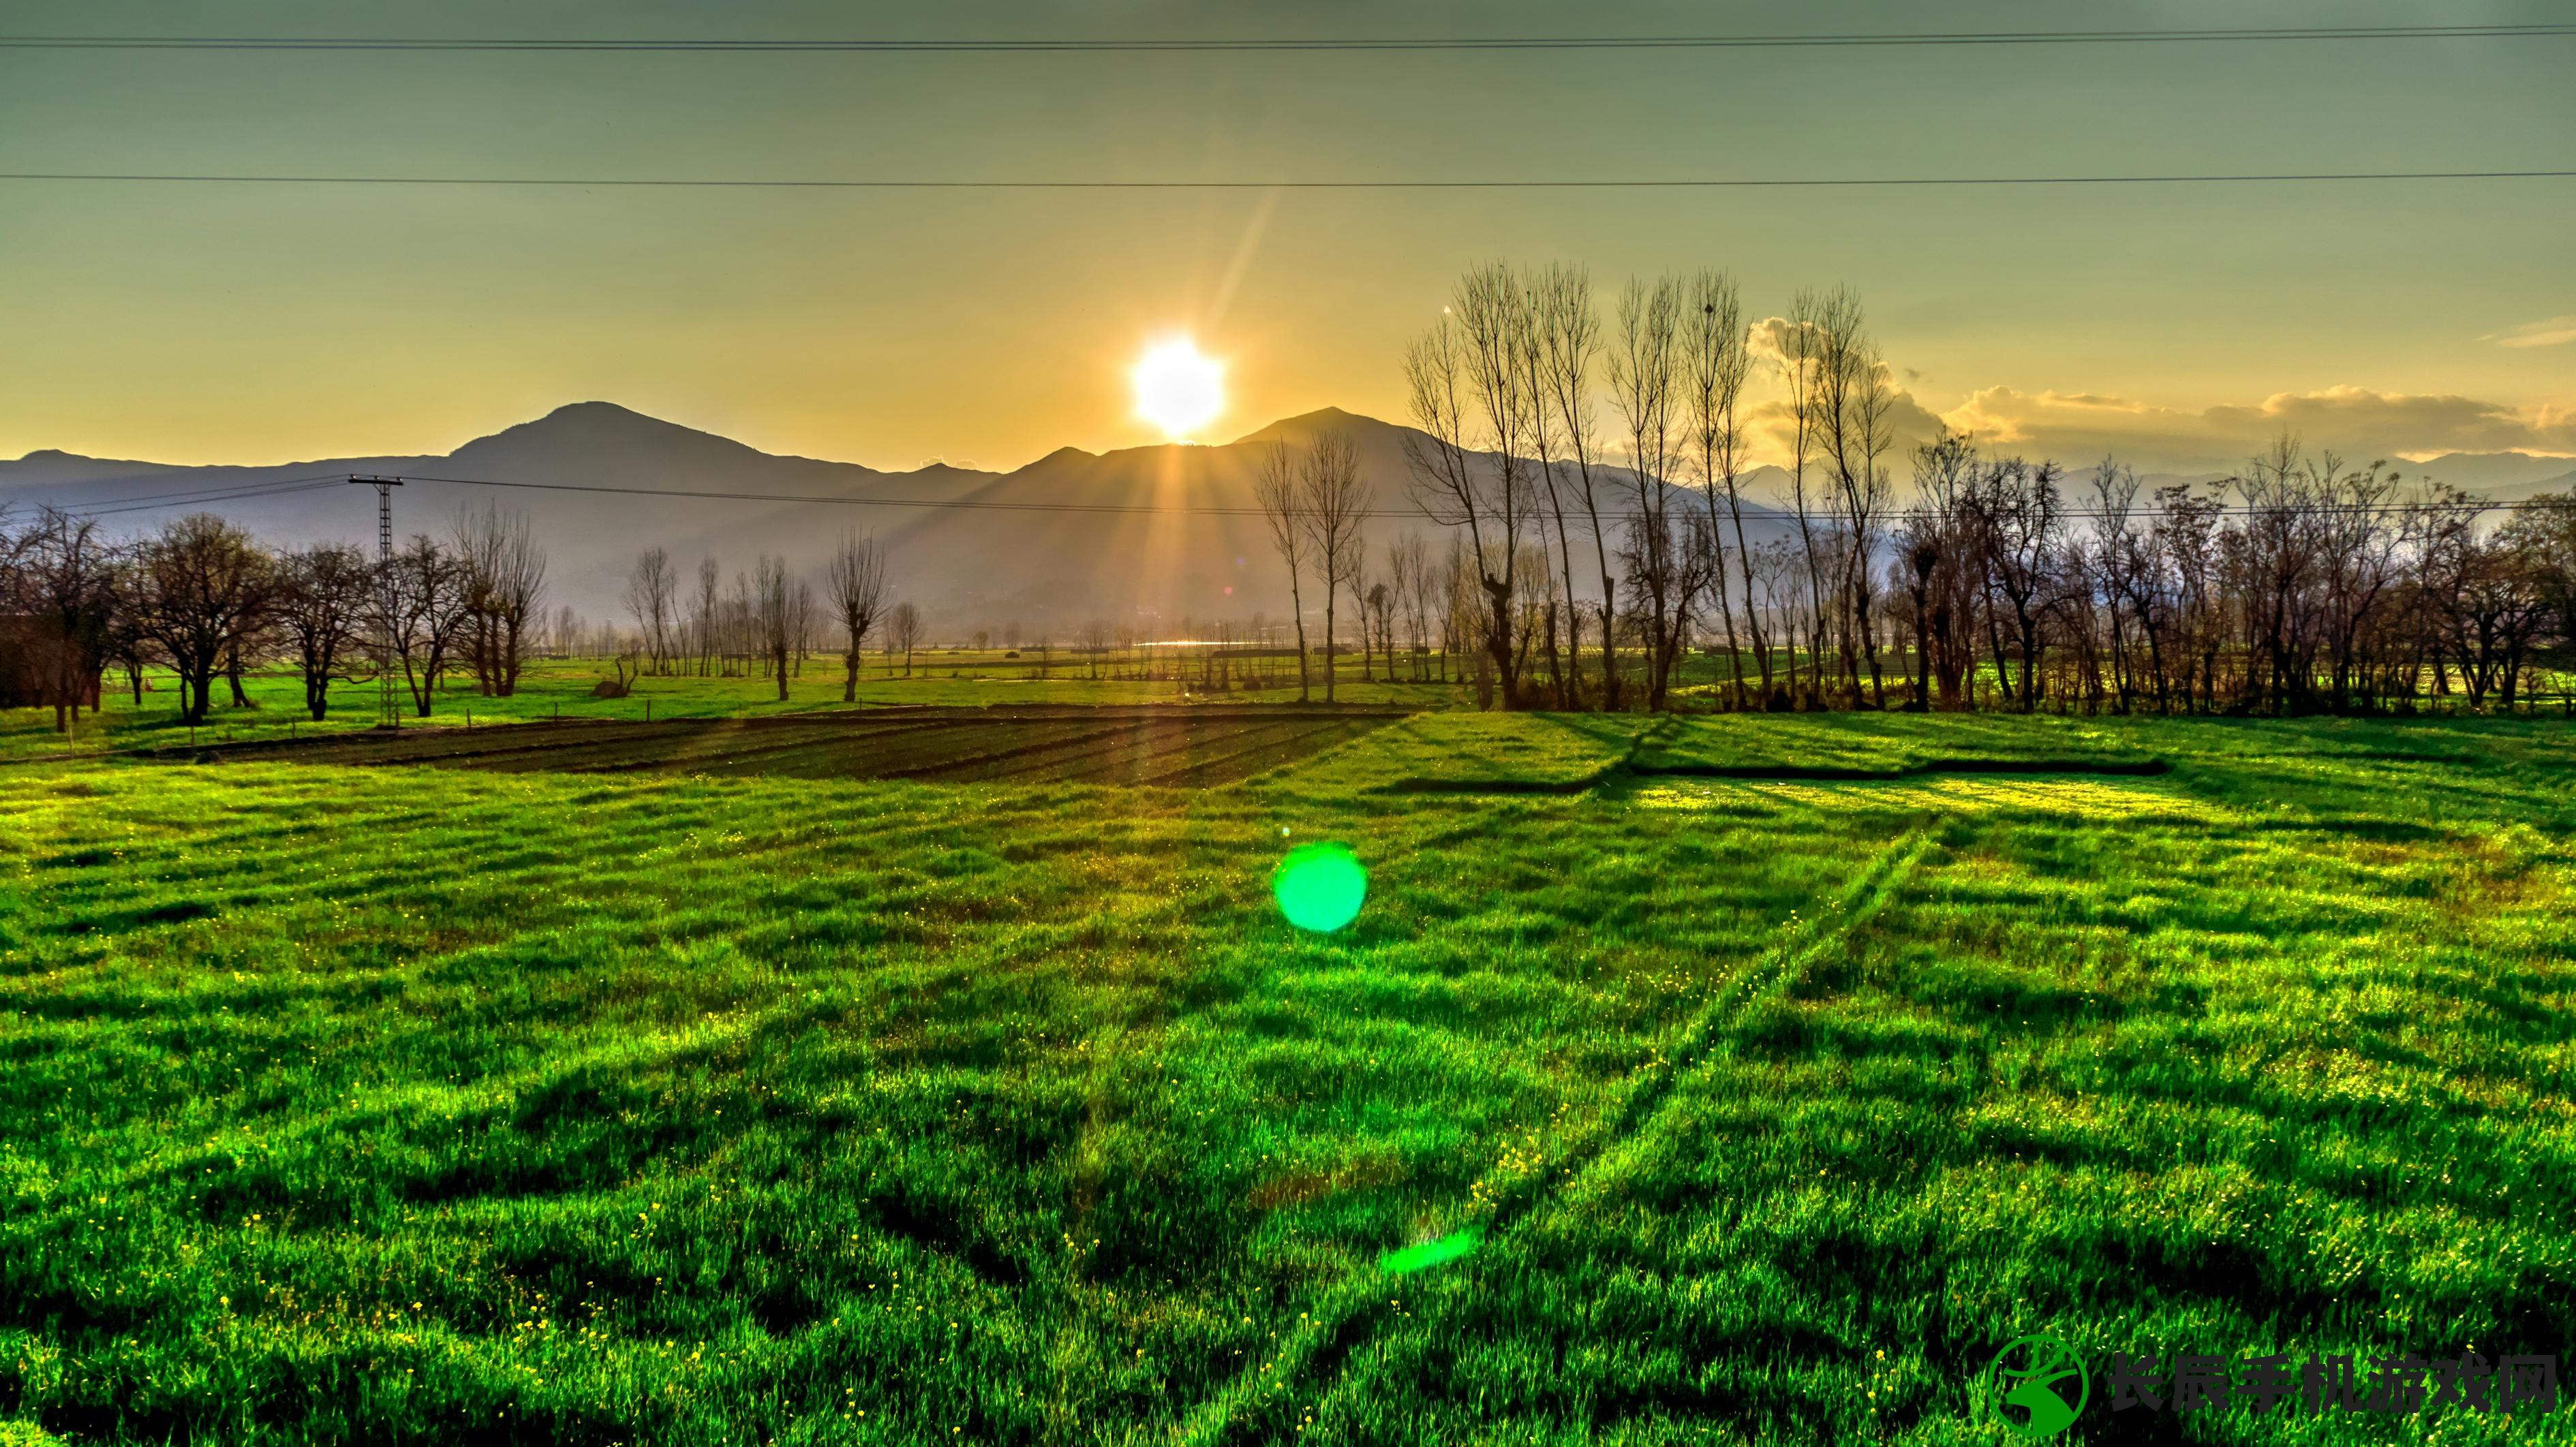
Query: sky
{"x": 2177, "y": 325}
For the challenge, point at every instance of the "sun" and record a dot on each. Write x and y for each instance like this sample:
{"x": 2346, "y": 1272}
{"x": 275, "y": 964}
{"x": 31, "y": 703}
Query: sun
{"x": 1177, "y": 388}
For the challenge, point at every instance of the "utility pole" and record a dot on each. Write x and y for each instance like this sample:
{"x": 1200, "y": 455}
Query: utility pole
{"x": 388, "y": 712}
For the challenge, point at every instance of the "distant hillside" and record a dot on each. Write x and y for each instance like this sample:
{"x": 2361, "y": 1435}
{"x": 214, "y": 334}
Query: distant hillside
{"x": 2505, "y": 476}
{"x": 1012, "y": 556}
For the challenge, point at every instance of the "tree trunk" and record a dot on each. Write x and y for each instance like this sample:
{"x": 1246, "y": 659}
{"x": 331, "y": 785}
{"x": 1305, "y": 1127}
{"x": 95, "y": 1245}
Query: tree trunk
{"x": 1498, "y": 648}
{"x": 1329, "y": 670}
{"x": 1305, "y": 691}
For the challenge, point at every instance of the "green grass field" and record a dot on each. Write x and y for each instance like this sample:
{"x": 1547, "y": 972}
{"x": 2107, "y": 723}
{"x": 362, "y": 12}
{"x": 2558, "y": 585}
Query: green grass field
{"x": 559, "y": 690}
{"x": 1788, "y": 1067}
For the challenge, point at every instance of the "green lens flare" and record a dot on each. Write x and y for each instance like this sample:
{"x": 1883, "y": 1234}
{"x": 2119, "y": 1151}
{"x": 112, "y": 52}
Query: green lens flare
{"x": 1320, "y": 887}
{"x": 1433, "y": 1253}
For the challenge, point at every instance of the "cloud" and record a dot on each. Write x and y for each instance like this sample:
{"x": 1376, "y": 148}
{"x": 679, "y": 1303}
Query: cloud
{"x": 1909, "y": 425}
{"x": 2355, "y": 421}
{"x": 1768, "y": 339}
{"x": 2548, "y": 332}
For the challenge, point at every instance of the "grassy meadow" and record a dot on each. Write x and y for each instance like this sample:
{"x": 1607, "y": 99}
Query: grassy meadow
{"x": 1786, "y": 1067}
{"x": 561, "y": 690}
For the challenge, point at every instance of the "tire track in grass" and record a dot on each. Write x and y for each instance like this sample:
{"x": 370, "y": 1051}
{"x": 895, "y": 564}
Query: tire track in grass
{"x": 1351, "y": 1312}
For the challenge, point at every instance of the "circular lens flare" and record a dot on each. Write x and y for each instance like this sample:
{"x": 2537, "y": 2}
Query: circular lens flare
{"x": 1177, "y": 388}
{"x": 1320, "y": 887}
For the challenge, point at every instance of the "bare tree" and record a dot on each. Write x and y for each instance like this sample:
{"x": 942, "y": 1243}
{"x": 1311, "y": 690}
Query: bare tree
{"x": 1093, "y": 640}
{"x": 1465, "y": 617}
{"x": 2544, "y": 531}
{"x": 1527, "y": 344}
{"x": 200, "y": 586}
{"x": 60, "y": 577}
{"x": 1795, "y": 354}
{"x": 649, "y": 587}
{"x": 1941, "y": 558}
{"x": 1471, "y": 355}
{"x": 1275, "y": 484}
{"x": 1381, "y": 608}
{"x": 1408, "y": 567}
{"x": 1570, "y": 338}
{"x": 801, "y": 615}
{"x": 1852, "y": 399}
{"x": 706, "y": 615}
{"x": 856, "y": 580}
{"x": 2019, "y": 515}
{"x": 322, "y": 603}
{"x": 1716, "y": 361}
{"x": 421, "y": 608}
{"x": 2490, "y": 598}
{"x": 1332, "y": 497}
{"x": 740, "y": 625}
{"x": 505, "y": 578}
{"x": 774, "y": 615}
{"x": 903, "y": 633}
{"x": 1643, "y": 364}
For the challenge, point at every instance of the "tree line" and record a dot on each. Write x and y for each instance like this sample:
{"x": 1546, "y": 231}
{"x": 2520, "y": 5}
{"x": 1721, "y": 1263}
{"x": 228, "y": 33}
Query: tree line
{"x": 769, "y": 620}
{"x": 205, "y": 599}
{"x": 1590, "y": 478}
{"x": 1624, "y": 534}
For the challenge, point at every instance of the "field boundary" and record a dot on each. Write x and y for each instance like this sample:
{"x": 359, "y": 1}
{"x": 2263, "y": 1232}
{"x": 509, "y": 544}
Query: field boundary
{"x": 1779, "y": 773}
{"x": 2108, "y": 768}
{"x": 808, "y": 715}
{"x": 1351, "y": 1312}
{"x": 1132, "y": 745}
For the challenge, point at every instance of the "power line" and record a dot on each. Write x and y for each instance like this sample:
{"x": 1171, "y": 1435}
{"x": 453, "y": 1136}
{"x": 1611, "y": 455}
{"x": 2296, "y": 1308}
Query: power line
{"x": 285, "y": 486}
{"x": 243, "y": 493}
{"x": 151, "y": 497}
{"x": 1413, "y": 184}
{"x": 990, "y": 505}
{"x": 963, "y": 504}
{"x": 956, "y": 46}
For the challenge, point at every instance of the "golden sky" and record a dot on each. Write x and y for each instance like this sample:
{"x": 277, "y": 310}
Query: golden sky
{"x": 186, "y": 322}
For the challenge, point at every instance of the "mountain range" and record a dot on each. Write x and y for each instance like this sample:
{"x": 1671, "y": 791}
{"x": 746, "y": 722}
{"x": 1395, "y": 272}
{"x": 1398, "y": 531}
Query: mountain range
{"x": 1014, "y": 554}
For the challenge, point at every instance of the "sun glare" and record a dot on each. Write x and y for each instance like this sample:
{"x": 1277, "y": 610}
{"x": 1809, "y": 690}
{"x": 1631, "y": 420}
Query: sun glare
{"x": 1177, "y": 389}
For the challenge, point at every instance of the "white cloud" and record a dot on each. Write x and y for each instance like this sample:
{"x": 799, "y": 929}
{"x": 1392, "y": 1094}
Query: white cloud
{"x": 2355, "y": 421}
{"x": 2548, "y": 332}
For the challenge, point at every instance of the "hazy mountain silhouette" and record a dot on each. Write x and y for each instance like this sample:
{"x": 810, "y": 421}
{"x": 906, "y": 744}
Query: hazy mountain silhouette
{"x": 2504, "y": 476}
{"x": 1006, "y": 559}
{"x": 1010, "y": 558}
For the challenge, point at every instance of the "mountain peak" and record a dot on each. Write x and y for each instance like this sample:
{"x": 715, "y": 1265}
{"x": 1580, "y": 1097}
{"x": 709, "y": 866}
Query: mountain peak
{"x": 594, "y": 431}
{"x": 610, "y": 416}
{"x": 1066, "y": 453}
{"x": 1307, "y": 424}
